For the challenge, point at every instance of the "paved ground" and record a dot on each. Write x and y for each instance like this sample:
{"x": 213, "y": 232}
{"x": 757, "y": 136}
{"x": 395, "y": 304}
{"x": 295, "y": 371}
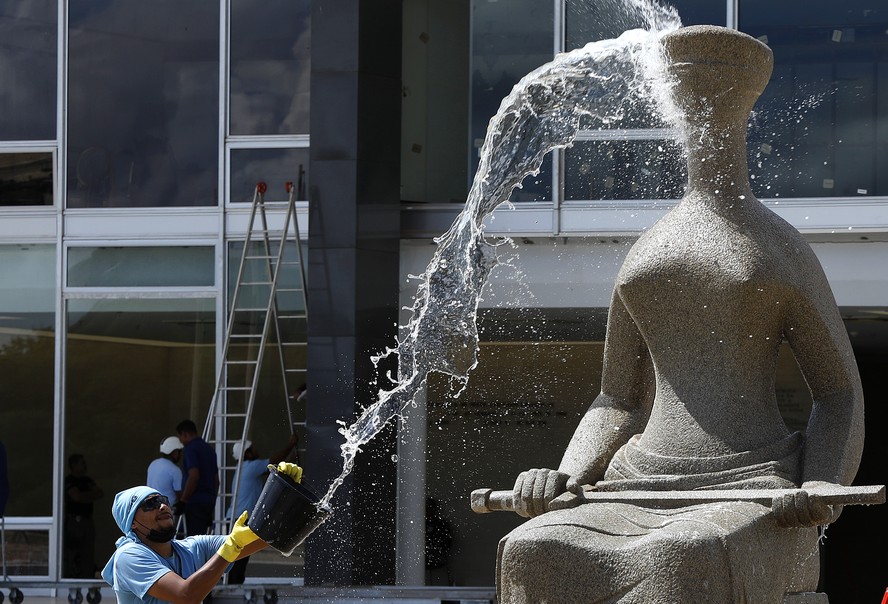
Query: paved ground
{"x": 285, "y": 594}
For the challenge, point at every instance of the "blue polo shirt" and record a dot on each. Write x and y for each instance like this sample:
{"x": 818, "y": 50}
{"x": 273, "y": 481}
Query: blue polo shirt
{"x": 198, "y": 454}
{"x": 135, "y": 567}
{"x": 251, "y": 485}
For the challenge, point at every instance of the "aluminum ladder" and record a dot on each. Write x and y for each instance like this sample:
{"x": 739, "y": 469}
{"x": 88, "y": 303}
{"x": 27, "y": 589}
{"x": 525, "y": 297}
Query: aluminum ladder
{"x": 267, "y": 310}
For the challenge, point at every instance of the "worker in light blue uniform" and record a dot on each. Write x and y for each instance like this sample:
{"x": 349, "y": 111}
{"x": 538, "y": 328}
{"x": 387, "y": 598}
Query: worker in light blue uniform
{"x": 250, "y": 477}
{"x": 149, "y": 566}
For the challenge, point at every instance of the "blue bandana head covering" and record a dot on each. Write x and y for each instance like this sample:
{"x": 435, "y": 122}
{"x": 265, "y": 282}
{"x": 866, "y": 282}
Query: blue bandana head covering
{"x": 125, "y": 505}
{"x": 124, "y": 511}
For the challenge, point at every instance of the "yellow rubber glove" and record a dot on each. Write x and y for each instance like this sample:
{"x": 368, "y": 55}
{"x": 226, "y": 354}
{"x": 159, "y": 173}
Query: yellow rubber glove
{"x": 290, "y": 469}
{"x": 241, "y": 536}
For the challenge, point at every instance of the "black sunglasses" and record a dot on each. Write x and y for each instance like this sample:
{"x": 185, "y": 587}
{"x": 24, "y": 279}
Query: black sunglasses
{"x": 154, "y": 502}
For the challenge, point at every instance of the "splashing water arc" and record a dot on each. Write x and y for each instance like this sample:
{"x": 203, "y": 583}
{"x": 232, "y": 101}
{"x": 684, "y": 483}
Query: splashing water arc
{"x": 594, "y": 84}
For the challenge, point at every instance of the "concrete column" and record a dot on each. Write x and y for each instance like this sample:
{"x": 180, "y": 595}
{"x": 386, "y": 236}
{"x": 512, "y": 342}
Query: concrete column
{"x": 354, "y": 229}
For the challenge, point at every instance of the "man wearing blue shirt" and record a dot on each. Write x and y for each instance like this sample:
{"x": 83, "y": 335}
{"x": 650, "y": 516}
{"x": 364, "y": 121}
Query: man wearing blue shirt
{"x": 149, "y": 566}
{"x": 201, "y": 474}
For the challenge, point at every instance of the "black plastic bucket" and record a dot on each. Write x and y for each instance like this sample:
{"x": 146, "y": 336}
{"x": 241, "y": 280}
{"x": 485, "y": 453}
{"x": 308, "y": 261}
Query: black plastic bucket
{"x": 286, "y": 513}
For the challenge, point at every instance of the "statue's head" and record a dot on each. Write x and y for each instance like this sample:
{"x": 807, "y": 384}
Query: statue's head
{"x": 716, "y": 74}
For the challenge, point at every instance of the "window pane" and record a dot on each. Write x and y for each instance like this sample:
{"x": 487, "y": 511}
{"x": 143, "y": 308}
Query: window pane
{"x": 603, "y": 19}
{"x": 270, "y": 66}
{"x": 820, "y": 126}
{"x": 26, "y": 179}
{"x": 140, "y": 367}
{"x": 141, "y": 266}
{"x": 509, "y": 39}
{"x": 607, "y": 19}
{"x": 274, "y": 167}
{"x": 27, "y": 375}
{"x": 27, "y": 552}
{"x": 28, "y": 30}
{"x": 143, "y": 108}
{"x": 624, "y": 169}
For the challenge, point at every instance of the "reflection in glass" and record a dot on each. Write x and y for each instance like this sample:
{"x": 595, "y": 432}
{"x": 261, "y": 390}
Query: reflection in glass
{"x": 275, "y": 167}
{"x": 141, "y": 266}
{"x": 28, "y": 29}
{"x": 27, "y": 375}
{"x": 509, "y": 39}
{"x": 143, "y": 103}
{"x": 820, "y": 126}
{"x": 624, "y": 169}
{"x": 135, "y": 368}
{"x": 27, "y": 552}
{"x": 26, "y": 179}
{"x": 270, "y": 66}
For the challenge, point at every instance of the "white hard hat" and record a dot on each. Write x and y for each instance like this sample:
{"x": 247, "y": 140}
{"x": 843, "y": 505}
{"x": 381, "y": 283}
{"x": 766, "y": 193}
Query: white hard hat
{"x": 236, "y": 450}
{"x": 170, "y": 444}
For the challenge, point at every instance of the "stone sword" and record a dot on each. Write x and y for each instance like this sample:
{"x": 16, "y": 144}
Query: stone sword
{"x": 488, "y": 500}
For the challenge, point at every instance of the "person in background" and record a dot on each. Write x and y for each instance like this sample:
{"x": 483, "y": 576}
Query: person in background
{"x": 164, "y": 473}
{"x": 149, "y": 566}
{"x": 253, "y": 472}
{"x": 79, "y": 543}
{"x": 201, "y": 474}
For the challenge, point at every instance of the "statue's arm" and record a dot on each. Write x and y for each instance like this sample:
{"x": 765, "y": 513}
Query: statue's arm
{"x": 623, "y": 406}
{"x": 619, "y": 411}
{"x": 834, "y": 435}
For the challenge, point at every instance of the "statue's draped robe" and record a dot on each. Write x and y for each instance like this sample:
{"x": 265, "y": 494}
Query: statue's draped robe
{"x": 609, "y": 552}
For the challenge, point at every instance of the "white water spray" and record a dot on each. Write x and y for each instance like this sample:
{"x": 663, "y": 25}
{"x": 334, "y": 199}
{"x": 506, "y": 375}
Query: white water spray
{"x": 595, "y": 84}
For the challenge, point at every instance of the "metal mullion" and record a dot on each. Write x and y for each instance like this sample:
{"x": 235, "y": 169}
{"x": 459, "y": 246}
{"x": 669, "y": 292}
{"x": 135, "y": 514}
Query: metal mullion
{"x": 733, "y": 17}
{"x": 559, "y": 34}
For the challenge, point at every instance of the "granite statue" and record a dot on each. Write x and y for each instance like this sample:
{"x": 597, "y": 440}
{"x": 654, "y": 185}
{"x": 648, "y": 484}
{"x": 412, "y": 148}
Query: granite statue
{"x": 700, "y": 308}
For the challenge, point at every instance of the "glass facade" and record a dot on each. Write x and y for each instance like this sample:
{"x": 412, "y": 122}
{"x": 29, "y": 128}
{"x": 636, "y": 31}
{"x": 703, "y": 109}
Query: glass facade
{"x": 26, "y": 179}
{"x": 509, "y": 39}
{"x": 141, "y": 266}
{"x": 143, "y": 103}
{"x": 822, "y": 124}
{"x": 28, "y": 69}
{"x": 151, "y": 94}
{"x": 274, "y": 167}
{"x": 27, "y": 373}
{"x": 270, "y": 67}
{"x": 818, "y": 131}
{"x": 624, "y": 169}
{"x": 141, "y": 365}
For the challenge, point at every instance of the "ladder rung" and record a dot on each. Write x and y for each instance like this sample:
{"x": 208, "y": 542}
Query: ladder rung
{"x": 235, "y": 389}
{"x": 247, "y": 362}
{"x": 250, "y": 310}
{"x": 260, "y": 258}
{"x": 295, "y": 370}
{"x": 294, "y": 343}
{"x": 256, "y": 283}
{"x": 246, "y": 336}
{"x": 299, "y": 316}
